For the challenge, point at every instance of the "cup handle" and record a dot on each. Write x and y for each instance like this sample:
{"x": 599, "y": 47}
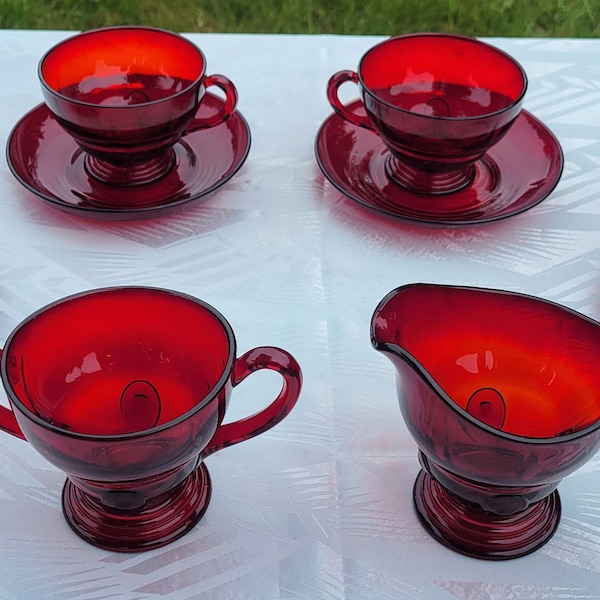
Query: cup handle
{"x": 8, "y": 421}
{"x": 333, "y": 85}
{"x": 264, "y": 357}
{"x": 231, "y": 99}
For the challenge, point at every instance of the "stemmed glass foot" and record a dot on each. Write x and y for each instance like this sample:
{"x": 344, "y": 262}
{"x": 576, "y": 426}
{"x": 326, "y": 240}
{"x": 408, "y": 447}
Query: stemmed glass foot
{"x": 157, "y": 523}
{"x": 466, "y": 528}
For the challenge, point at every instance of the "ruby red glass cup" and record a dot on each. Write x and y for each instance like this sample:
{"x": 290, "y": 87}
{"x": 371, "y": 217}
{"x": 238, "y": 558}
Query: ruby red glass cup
{"x": 127, "y": 95}
{"x": 438, "y": 102}
{"x": 500, "y": 392}
{"x": 125, "y": 390}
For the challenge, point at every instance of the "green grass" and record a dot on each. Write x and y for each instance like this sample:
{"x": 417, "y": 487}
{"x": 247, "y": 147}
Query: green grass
{"x": 551, "y": 18}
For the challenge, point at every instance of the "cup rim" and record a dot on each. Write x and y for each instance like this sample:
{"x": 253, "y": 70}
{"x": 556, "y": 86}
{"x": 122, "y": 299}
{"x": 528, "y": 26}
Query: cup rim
{"x": 207, "y": 399}
{"x": 454, "y": 36}
{"x": 100, "y": 30}
{"x": 435, "y": 386}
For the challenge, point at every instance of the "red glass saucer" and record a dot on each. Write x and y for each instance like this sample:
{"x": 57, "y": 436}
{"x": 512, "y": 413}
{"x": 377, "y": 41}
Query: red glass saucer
{"x": 49, "y": 163}
{"x": 516, "y": 174}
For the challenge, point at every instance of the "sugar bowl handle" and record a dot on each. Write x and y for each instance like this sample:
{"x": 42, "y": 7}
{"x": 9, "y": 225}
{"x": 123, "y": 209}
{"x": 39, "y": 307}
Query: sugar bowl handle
{"x": 8, "y": 421}
{"x": 264, "y": 357}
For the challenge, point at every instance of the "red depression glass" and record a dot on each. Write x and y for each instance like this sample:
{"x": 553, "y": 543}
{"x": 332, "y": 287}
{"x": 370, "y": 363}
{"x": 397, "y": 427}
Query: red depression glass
{"x": 500, "y": 392}
{"x": 126, "y": 95}
{"x": 439, "y": 102}
{"x": 513, "y": 176}
{"x": 125, "y": 390}
{"x": 48, "y": 162}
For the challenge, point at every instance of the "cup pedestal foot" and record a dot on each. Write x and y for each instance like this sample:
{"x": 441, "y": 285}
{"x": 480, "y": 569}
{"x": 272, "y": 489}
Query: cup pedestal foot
{"x": 161, "y": 521}
{"x": 130, "y": 175}
{"x": 429, "y": 182}
{"x": 466, "y": 528}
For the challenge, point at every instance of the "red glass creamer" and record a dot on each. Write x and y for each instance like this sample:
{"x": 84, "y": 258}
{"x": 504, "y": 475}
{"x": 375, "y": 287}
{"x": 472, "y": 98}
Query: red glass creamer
{"x": 501, "y": 393}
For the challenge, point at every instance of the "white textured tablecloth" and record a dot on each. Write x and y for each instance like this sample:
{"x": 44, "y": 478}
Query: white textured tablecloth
{"x": 319, "y": 507}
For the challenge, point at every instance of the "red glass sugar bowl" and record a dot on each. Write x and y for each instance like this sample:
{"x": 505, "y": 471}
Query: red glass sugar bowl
{"x": 438, "y": 102}
{"x": 125, "y": 390}
{"x": 500, "y": 392}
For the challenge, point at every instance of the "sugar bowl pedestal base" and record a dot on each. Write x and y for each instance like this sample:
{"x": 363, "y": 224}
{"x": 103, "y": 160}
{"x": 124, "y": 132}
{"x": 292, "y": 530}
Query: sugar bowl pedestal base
{"x": 157, "y": 523}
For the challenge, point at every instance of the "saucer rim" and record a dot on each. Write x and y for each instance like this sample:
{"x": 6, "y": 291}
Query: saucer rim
{"x": 127, "y": 213}
{"x": 351, "y": 193}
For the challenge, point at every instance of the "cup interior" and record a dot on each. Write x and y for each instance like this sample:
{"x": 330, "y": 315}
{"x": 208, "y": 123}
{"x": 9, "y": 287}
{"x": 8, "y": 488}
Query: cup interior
{"x": 96, "y": 363}
{"x": 122, "y": 66}
{"x": 442, "y": 75}
{"x": 497, "y": 352}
